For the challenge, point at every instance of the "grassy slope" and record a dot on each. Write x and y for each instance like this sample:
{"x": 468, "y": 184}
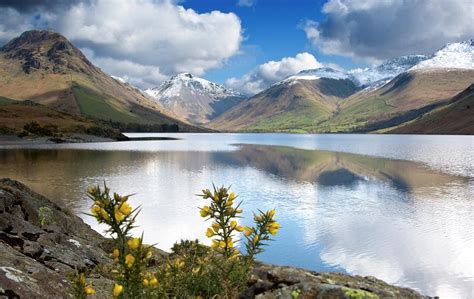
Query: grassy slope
{"x": 93, "y": 104}
{"x": 13, "y": 120}
{"x": 404, "y": 98}
{"x": 455, "y": 118}
{"x": 294, "y": 107}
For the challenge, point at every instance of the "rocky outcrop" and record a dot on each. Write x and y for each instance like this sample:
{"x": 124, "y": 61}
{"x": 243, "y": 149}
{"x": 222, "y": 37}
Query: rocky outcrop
{"x": 269, "y": 281}
{"x": 42, "y": 243}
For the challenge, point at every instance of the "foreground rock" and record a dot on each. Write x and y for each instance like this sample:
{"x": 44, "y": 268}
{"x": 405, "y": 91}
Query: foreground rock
{"x": 42, "y": 243}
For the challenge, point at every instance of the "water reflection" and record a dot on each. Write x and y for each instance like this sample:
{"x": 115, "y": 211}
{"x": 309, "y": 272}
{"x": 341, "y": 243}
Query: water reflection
{"x": 397, "y": 220}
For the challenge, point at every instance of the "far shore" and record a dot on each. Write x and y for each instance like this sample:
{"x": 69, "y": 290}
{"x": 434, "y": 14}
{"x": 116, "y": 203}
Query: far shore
{"x": 75, "y": 138}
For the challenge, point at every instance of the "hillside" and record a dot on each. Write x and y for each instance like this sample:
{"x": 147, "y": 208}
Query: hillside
{"x": 404, "y": 98}
{"x": 454, "y": 118}
{"x": 296, "y": 104}
{"x": 42, "y": 121}
{"x": 194, "y": 99}
{"x": 46, "y": 68}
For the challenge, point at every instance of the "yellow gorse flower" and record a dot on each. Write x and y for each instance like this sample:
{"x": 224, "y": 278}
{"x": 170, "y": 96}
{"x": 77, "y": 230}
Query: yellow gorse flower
{"x": 154, "y": 281}
{"x": 145, "y": 282}
{"x": 133, "y": 243}
{"x": 215, "y": 244}
{"x": 89, "y": 290}
{"x": 125, "y": 209}
{"x": 119, "y": 216}
{"x": 209, "y": 233}
{"x": 129, "y": 260}
{"x": 255, "y": 239}
{"x": 117, "y": 290}
{"x": 215, "y": 226}
{"x": 103, "y": 214}
{"x": 115, "y": 253}
{"x": 247, "y": 231}
{"x": 273, "y": 227}
{"x": 82, "y": 279}
{"x": 271, "y": 213}
{"x": 178, "y": 263}
{"x": 231, "y": 196}
{"x": 95, "y": 210}
{"x": 204, "y": 211}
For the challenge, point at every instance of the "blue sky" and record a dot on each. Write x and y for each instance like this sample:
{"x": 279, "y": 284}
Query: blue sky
{"x": 245, "y": 47}
{"x": 272, "y": 30}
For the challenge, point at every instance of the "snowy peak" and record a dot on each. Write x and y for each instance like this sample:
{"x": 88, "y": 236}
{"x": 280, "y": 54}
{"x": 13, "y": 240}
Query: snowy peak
{"x": 314, "y": 74}
{"x": 454, "y": 55}
{"x": 186, "y": 83}
{"x": 194, "y": 99}
{"x": 378, "y": 75}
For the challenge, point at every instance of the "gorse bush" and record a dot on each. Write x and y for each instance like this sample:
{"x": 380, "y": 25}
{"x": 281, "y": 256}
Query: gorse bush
{"x": 192, "y": 270}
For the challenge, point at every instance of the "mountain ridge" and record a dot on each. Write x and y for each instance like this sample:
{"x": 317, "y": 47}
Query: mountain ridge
{"x": 389, "y": 94}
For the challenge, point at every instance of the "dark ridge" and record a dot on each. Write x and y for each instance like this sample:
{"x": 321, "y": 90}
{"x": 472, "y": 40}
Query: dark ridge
{"x": 400, "y": 81}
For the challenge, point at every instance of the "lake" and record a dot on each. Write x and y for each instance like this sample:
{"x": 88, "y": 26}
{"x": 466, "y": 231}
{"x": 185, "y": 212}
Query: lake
{"x": 396, "y": 207}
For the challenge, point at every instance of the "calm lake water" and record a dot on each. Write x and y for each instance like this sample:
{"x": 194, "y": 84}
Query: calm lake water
{"x": 400, "y": 208}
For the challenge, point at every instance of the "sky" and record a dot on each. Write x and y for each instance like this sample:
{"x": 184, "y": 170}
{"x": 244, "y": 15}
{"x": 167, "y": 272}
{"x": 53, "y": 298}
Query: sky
{"x": 246, "y": 45}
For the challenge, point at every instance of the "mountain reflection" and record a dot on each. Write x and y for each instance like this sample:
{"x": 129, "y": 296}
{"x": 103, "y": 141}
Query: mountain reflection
{"x": 394, "y": 219}
{"x": 335, "y": 169}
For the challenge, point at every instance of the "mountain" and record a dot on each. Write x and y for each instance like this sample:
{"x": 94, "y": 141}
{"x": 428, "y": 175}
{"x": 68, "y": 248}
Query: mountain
{"x": 455, "y": 118}
{"x": 44, "y": 67}
{"x": 381, "y": 74}
{"x": 395, "y": 92}
{"x": 297, "y": 103}
{"x": 194, "y": 99}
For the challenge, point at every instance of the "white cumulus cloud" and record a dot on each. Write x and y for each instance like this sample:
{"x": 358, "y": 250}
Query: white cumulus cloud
{"x": 153, "y": 36}
{"x": 272, "y": 71}
{"x": 376, "y": 30}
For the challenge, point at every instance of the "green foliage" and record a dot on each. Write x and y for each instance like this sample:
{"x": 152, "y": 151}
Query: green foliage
{"x": 35, "y": 128}
{"x": 192, "y": 270}
{"x": 80, "y": 288}
{"x": 358, "y": 294}
{"x": 45, "y": 216}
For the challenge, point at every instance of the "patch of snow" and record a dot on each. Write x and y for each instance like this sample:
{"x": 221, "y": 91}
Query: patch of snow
{"x": 453, "y": 55}
{"x": 378, "y": 75}
{"x": 119, "y": 79}
{"x": 314, "y": 74}
{"x": 13, "y": 274}
{"x": 75, "y": 242}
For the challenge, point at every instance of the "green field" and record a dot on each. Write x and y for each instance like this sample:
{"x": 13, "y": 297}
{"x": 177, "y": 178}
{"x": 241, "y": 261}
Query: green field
{"x": 101, "y": 107}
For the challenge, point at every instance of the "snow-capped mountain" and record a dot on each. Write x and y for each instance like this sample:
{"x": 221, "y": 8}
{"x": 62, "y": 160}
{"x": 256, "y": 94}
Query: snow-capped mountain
{"x": 194, "y": 99}
{"x": 382, "y": 73}
{"x": 453, "y": 55}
